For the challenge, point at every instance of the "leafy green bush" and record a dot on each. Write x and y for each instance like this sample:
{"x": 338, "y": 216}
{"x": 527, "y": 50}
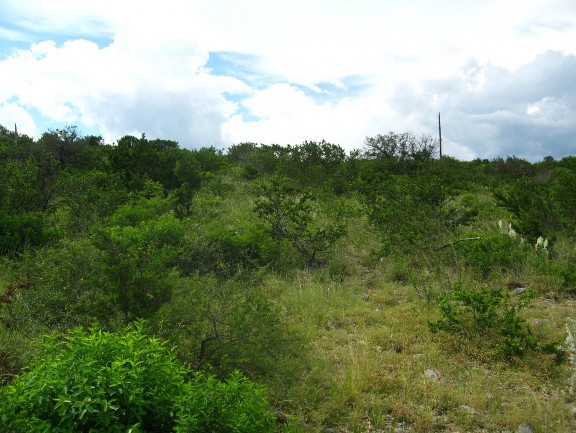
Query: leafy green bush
{"x": 409, "y": 211}
{"x": 493, "y": 253}
{"x": 228, "y": 324}
{"x": 533, "y": 206}
{"x": 23, "y": 230}
{"x": 249, "y": 172}
{"x": 126, "y": 382}
{"x": 96, "y": 381}
{"x": 489, "y": 315}
{"x": 234, "y": 406}
{"x": 293, "y": 217}
{"x": 138, "y": 263}
{"x": 60, "y": 287}
{"x": 226, "y": 250}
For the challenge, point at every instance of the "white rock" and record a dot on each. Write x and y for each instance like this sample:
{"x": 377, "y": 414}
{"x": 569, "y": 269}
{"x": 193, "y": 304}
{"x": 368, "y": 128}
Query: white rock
{"x": 432, "y": 374}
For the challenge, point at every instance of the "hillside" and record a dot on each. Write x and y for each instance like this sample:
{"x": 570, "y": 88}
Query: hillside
{"x": 382, "y": 290}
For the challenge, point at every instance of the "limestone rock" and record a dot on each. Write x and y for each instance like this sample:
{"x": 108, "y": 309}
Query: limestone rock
{"x": 525, "y": 428}
{"x": 518, "y": 290}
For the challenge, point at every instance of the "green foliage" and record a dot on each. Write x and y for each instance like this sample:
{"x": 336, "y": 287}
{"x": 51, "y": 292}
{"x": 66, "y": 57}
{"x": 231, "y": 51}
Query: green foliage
{"x": 99, "y": 382}
{"x": 225, "y": 250}
{"x": 188, "y": 172}
{"x": 489, "y": 315}
{"x": 126, "y": 382}
{"x": 530, "y": 202}
{"x": 240, "y": 153}
{"x": 147, "y": 204}
{"x": 321, "y": 158}
{"x": 404, "y": 150}
{"x": 563, "y": 192}
{"x": 249, "y": 172}
{"x": 210, "y": 159}
{"x": 229, "y": 324}
{"x": 293, "y": 216}
{"x": 85, "y": 197}
{"x": 232, "y": 406}
{"x": 138, "y": 262}
{"x": 410, "y": 211}
{"x": 24, "y": 230}
{"x": 137, "y": 160}
{"x": 59, "y": 287}
{"x": 28, "y": 185}
{"x": 493, "y": 253}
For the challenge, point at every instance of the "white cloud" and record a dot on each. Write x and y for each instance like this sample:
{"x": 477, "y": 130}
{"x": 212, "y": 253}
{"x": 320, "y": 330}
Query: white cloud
{"x": 14, "y": 114}
{"x": 474, "y": 61}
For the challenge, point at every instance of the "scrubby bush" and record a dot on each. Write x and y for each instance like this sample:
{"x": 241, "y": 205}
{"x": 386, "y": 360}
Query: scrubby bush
{"x": 293, "y": 216}
{"x": 232, "y": 406}
{"x": 138, "y": 262}
{"x": 225, "y": 250}
{"x": 492, "y": 253}
{"x": 228, "y": 324}
{"x": 24, "y": 230}
{"x": 59, "y": 287}
{"x": 409, "y": 212}
{"x": 489, "y": 315}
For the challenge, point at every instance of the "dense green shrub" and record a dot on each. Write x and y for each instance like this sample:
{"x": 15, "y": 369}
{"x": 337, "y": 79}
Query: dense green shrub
{"x": 232, "y": 406}
{"x": 410, "y": 211}
{"x": 126, "y": 382}
{"x": 228, "y": 324}
{"x": 293, "y": 216}
{"x": 96, "y": 381}
{"x": 533, "y": 207}
{"x": 226, "y": 250}
{"x": 490, "y": 315}
{"x": 321, "y": 158}
{"x": 493, "y": 253}
{"x": 138, "y": 262}
{"x": 84, "y": 198}
{"x": 24, "y": 230}
{"x": 60, "y": 287}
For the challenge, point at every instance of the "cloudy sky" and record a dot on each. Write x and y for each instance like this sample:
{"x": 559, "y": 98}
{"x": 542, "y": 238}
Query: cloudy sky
{"x": 218, "y": 72}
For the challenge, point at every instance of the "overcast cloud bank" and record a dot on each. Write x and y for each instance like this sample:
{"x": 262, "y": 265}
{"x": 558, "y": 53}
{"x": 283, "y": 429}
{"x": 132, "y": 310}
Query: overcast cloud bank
{"x": 284, "y": 73}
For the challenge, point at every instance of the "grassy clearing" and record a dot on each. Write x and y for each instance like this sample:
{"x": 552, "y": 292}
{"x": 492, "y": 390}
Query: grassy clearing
{"x": 371, "y": 350}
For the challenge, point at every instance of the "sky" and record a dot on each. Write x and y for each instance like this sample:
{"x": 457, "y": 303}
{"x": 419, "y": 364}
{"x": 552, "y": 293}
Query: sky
{"x": 221, "y": 72}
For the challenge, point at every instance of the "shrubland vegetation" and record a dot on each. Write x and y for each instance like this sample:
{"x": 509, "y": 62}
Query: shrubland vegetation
{"x": 146, "y": 287}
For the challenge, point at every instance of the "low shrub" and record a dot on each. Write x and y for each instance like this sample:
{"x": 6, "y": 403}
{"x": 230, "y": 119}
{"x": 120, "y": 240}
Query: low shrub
{"x": 233, "y": 406}
{"x": 489, "y": 315}
{"x": 24, "y": 230}
{"x": 492, "y": 253}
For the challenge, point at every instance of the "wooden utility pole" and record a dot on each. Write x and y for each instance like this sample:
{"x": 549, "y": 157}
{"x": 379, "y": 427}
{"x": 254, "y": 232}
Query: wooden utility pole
{"x": 440, "y": 134}
{"x": 15, "y": 135}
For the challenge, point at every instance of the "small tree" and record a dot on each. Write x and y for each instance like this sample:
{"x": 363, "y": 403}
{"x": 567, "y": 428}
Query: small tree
{"x": 293, "y": 217}
{"x": 402, "y": 148}
{"x": 410, "y": 211}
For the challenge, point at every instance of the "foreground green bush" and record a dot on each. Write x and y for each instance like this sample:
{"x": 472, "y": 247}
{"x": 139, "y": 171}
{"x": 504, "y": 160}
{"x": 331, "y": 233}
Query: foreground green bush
{"x": 94, "y": 381}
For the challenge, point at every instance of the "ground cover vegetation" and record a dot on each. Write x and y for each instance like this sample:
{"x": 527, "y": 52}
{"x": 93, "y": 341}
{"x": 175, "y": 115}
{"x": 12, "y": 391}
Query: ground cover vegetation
{"x": 145, "y": 287}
